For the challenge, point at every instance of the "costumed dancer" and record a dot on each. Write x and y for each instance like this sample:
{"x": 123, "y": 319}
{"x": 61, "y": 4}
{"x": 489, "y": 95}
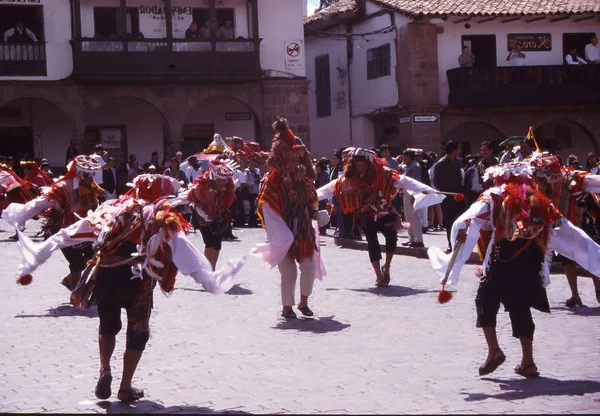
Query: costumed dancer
{"x": 575, "y": 194}
{"x": 139, "y": 240}
{"x": 210, "y": 197}
{"x": 13, "y": 189}
{"x": 287, "y": 206}
{"x": 516, "y": 228}
{"x": 366, "y": 191}
{"x": 33, "y": 174}
{"x": 69, "y": 199}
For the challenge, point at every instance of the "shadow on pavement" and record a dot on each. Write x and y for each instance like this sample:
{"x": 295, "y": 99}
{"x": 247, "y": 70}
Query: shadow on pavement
{"x": 65, "y": 310}
{"x": 518, "y": 389}
{"x": 316, "y": 325}
{"x": 235, "y": 290}
{"x": 148, "y": 406}
{"x": 582, "y": 310}
{"x": 393, "y": 291}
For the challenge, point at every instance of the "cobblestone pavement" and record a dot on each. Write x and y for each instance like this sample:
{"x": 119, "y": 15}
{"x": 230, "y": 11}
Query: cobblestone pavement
{"x": 367, "y": 350}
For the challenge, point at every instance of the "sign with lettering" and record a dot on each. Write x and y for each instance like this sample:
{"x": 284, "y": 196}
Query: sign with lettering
{"x": 534, "y": 42}
{"x": 426, "y": 118}
{"x": 294, "y": 58}
{"x": 404, "y": 120}
{"x": 21, "y": 1}
{"x": 153, "y": 22}
{"x": 241, "y": 116}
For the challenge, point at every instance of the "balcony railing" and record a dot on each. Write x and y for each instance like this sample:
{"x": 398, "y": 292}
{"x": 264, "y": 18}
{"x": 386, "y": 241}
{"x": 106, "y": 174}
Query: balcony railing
{"x": 528, "y": 85}
{"x": 157, "y": 59}
{"x": 22, "y": 59}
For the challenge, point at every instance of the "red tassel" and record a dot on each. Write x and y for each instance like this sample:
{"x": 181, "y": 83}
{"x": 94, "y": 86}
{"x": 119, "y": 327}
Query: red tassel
{"x": 459, "y": 197}
{"x": 25, "y": 280}
{"x": 444, "y": 296}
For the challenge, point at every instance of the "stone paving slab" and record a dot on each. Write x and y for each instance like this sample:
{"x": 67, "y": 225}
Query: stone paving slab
{"x": 368, "y": 350}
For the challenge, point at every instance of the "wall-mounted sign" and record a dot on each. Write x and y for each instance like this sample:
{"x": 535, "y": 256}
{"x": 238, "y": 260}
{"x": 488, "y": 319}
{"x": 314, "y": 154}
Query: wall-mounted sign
{"x": 404, "y": 120}
{"x": 21, "y": 1}
{"x": 294, "y": 58}
{"x": 110, "y": 138}
{"x": 153, "y": 22}
{"x": 426, "y": 118}
{"x": 539, "y": 42}
{"x": 243, "y": 116}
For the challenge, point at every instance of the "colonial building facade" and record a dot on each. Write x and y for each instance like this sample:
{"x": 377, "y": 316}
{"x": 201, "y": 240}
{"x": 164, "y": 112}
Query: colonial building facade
{"x": 125, "y": 74}
{"x": 387, "y": 71}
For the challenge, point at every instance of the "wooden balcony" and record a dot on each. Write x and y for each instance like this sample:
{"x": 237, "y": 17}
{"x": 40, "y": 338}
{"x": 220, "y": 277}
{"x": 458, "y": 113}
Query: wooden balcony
{"x": 22, "y": 59}
{"x": 528, "y": 85}
{"x": 164, "y": 60}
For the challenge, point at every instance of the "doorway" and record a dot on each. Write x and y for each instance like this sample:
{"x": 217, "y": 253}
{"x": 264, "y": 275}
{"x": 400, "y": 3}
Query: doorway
{"x": 576, "y": 40}
{"x": 484, "y": 49}
{"x": 196, "y": 138}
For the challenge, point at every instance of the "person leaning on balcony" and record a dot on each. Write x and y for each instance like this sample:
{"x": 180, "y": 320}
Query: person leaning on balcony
{"x": 592, "y": 51}
{"x": 516, "y": 55}
{"x": 466, "y": 60}
{"x": 19, "y": 34}
{"x": 193, "y": 32}
{"x": 573, "y": 59}
{"x": 225, "y": 32}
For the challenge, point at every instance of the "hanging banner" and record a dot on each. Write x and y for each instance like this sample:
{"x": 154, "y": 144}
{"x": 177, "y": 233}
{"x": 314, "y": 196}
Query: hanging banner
{"x": 153, "y": 23}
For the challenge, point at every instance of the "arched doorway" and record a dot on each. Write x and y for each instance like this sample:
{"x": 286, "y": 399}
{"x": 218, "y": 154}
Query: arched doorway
{"x": 227, "y": 116}
{"x": 35, "y": 128}
{"x": 471, "y": 134}
{"x": 564, "y": 137}
{"x": 124, "y": 126}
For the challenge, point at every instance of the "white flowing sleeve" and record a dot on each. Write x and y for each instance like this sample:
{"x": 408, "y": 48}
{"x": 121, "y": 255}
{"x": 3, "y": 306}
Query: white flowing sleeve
{"x": 424, "y": 195}
{"x": 479, "y": 217}
{"x": 34, "y": 255}
{"x": 326, "y": 191}
{"x": 573, "y": 243}
{"x": 279, "y": 238}
{"x": 18, "y": 214}
{"x": 591, "y": 183}
{"x": 191, "y": 262}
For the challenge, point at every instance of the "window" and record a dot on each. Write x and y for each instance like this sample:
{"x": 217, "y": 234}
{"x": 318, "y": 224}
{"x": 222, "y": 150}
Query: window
{"x": 322, "y": 86}
{"x": 32, "y": 18}
{"x": 378, "y": 62}
{"x": 200, "y": 17}
{"x": 484, "y": 49}
{"x": 106, "y": 22}
{"x": 576, "y": 40}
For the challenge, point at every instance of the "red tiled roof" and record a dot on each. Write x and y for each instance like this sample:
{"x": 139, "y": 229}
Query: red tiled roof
{"x": 467, "y": 7}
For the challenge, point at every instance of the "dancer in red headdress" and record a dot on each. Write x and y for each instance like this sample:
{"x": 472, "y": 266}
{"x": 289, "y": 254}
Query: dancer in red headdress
{"x": 516, "y": 228}
{"x": 13, "y": 189}
{"x": 211, "y": 196}
{"x": 69, "y": 199}
{"x": 33, "y": 174}
{"x": 139, "y": 240}
{"x": 366, "y": 190}
{"x": 287, "y": 206}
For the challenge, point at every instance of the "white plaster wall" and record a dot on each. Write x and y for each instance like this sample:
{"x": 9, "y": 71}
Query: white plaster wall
{"x": 328, "y": 133}
{"x": 57, "y": 27}
{"x": 363, "y": 132}
{"x": 280, "y": 21}
{"x": 152, "y": 28}
{"x": 144, "y": 125}
{"x": 212, "y": 111}
{"x": 449, "y": 42}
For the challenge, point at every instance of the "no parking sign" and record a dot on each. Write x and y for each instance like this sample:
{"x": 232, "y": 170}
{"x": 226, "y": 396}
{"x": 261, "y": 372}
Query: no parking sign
{"x": 294, "y": 58}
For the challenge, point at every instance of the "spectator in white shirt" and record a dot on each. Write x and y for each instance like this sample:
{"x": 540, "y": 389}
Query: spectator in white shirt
{"x": 516, "y": 56}
{"x": 592, "y": 51}
{"x": 19, "y": 34}
{"x": 225, "y": 32}
{"x": 98, "y": 156}
{"x": 193, "y": 170}
{"x": 573, "y": 59}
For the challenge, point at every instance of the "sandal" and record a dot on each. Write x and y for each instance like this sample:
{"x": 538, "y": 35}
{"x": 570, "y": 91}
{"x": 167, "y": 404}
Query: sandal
{"x": 130, "y": 395}
{"x": 522, "y": 371}
{"x": 491, "y": 365}
{"x": 305, "y": 310}
{"x": 103, "y": 390}
{"x": 386, "y": 276}
{"x": 288, "y": 314}
{"x": 574, "y": 301}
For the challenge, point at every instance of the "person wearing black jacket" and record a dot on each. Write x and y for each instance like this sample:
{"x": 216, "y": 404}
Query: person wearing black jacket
{"x": 109, "y": 179}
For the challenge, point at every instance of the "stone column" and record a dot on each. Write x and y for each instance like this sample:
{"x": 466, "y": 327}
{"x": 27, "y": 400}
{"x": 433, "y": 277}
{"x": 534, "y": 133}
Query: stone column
{"x": 289, "y": 99}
